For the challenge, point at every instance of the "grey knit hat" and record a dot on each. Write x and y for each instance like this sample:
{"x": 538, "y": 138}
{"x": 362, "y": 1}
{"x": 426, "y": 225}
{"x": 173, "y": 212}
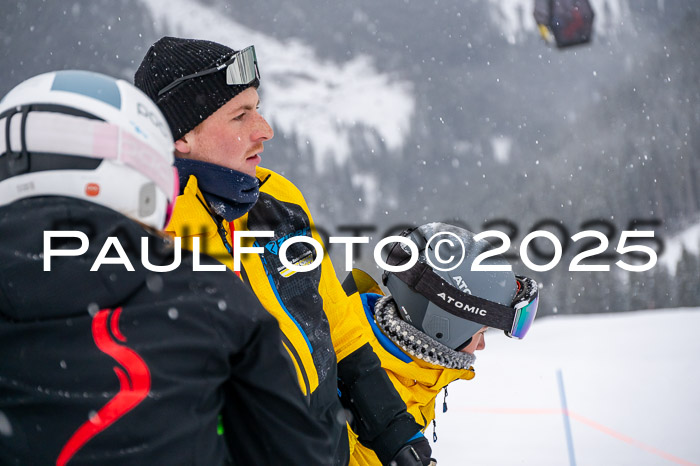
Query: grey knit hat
{"x": 191, "y": 102}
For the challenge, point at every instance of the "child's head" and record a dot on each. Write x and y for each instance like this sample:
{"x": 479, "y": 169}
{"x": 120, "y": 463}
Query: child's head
{"x": 444, "y": 297}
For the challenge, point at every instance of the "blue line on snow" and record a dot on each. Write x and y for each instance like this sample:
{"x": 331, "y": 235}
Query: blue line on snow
{"x": 565, "y": 414}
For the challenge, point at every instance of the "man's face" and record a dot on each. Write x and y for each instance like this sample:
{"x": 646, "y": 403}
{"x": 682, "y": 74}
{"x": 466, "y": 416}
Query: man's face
{"x": 231, "y": 137}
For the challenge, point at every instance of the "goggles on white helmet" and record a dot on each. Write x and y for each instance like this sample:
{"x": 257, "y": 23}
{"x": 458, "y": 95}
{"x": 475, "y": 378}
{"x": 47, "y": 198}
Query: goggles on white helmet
{"x": 451, "y": 302}
{"x": 88, "y": 136}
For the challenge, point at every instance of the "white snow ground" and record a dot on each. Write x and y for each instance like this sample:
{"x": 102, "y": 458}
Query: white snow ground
{"x": 631, "y": 383}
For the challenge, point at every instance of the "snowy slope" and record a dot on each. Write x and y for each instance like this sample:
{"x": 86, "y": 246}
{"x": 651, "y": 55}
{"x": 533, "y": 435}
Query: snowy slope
{"x": 326, "y": 104}
{"x": 631, "y": 382}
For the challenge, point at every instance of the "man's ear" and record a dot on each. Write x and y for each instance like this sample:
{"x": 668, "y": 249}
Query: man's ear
{"x": 183, "y": 145}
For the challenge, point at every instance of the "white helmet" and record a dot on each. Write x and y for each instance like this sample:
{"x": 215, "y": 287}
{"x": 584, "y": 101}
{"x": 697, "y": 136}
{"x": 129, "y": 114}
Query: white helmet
{"x": 89, "y": 136}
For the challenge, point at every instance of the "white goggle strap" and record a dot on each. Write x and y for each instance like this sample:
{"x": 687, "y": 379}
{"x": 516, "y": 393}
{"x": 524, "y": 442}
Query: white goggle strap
{"x": 58, "y": 133}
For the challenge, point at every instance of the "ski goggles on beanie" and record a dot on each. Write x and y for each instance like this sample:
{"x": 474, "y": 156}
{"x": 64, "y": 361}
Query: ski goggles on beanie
{"x": 515, "y": 320}
{"x": 241, "y": 69}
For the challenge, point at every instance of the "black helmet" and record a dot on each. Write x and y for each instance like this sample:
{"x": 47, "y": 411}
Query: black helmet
{"x": 444, "y": 298}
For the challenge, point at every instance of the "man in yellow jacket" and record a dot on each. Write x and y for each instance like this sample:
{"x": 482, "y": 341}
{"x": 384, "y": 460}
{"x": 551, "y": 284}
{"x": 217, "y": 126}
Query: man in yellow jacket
{"x": 208, "y": 94}
{"x": 427, "y": 330}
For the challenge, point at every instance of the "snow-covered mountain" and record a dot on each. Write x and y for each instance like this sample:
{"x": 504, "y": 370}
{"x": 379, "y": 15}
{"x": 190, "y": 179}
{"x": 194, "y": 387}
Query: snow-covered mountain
{"x": 325, "y": 103}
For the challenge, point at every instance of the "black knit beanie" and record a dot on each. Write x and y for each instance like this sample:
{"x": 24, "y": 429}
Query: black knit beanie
{"x": 193, "y": 100}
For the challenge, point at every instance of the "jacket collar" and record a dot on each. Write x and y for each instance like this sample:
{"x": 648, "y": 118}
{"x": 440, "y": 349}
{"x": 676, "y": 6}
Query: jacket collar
{"x": 191, "y": 215}
{"x": 423, "y": 382}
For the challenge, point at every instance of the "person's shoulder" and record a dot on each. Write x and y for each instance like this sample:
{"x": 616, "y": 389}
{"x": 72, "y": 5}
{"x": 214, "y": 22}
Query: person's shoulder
{"x": 190, "y": 215}
{"x": 277, "y": 186}
{"x": 208, "y": 282}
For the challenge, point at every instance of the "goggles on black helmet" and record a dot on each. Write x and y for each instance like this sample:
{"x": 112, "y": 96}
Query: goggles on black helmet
{"x": 515, "y": 320}
{"x": 241, "y": 69}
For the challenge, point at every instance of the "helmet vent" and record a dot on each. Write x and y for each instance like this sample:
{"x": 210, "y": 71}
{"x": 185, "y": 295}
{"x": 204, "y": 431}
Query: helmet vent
{"x": 437, "y": 327}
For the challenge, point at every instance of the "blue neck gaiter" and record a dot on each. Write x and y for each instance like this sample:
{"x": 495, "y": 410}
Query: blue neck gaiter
{"x": 228, "y": 192}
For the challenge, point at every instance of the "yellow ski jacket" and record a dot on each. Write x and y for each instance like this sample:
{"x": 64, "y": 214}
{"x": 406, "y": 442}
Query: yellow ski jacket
{"x": 314, "y": 312}
{"x": 417, "y": 382}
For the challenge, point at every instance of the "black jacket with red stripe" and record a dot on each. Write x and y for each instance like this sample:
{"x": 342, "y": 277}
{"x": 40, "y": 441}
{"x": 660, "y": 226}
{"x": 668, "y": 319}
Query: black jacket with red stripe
{"x": 136, "y": 367}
